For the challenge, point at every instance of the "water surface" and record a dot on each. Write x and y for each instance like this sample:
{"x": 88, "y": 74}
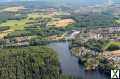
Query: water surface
{"x": 69, "y": 64}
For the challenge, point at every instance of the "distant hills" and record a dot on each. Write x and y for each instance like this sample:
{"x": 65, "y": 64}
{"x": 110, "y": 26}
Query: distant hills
{"x": 71, "y": 2}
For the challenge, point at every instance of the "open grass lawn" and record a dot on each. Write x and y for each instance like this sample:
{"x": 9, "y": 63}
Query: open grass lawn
{"x": 37, "y": 15}
{"x": 117, "y": 21}
{"x": 112, "y": 43}
{"x": 15, "y": 24}
{"x": 116, "y": 43}
{"x": 34, "y": 15}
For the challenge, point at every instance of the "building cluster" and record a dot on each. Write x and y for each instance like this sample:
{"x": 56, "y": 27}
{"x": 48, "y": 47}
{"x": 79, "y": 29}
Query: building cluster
{"x": 112, "y": 33}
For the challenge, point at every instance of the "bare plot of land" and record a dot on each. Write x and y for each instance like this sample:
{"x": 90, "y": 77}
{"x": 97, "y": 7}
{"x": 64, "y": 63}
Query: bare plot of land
{"x": 14, "y": 9}
{"x": 64, "y": 22}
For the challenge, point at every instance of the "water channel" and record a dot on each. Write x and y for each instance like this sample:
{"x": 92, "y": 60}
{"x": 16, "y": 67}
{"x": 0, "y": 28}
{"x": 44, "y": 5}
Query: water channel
{"x": 70, "y": 65}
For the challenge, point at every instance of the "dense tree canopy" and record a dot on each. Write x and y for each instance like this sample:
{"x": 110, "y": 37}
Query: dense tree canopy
{"x": 29, "y": 63}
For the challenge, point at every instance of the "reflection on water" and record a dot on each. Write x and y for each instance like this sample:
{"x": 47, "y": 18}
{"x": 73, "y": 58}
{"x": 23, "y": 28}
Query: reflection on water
{"x": 69, "y": 64}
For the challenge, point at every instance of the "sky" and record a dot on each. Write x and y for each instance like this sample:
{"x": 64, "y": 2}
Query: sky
{"x": 68, "y": 1}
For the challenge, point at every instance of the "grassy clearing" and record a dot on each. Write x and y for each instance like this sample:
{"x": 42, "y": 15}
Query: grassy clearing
{"x": 34, "y": 15}
{"x": 15, "y": 24}
{"x": 19, "y": 24}
{"x": 116, "y": 43}
{"x": 37, "y": 15}
{"x": 112, "y": 43}
{"x": 117, "y": 21}
{"x": 62, "y": 22}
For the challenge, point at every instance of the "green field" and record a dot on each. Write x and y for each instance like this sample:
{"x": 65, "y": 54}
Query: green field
{"x": 20, "y": 24}
{"x": 112, "y": 43}
{"x": 116, "y": 43}
{"x": 15, "y": 24}
{"x": 117, "y": 21}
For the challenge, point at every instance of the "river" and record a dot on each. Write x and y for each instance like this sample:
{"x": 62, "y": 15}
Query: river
{"x": 70, "y": 65}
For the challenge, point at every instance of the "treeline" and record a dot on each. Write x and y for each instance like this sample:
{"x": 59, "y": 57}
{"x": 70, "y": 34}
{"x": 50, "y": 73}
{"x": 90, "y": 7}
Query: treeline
{"x": 18, "y": 33}
{"x": 29, "y": 63}
{"x": 3, "y": 28}
{"x": 37, "y": 29}
{"x": 4, "y": 16}
{"x": 91, "y": 20}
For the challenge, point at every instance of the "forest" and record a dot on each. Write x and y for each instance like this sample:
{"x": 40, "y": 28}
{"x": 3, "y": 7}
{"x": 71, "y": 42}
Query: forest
{"x": 30, "y": 63}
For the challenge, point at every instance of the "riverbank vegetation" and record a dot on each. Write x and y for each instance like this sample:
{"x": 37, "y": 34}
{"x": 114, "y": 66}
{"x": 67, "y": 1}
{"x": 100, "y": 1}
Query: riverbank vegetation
{"x": 93, "y": 56}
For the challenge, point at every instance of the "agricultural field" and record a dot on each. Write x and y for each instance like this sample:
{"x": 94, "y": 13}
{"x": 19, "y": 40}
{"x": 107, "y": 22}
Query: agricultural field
{"x": 15, "y": 24}
{"x": 39, "y": 18}
{"x": 63, "y": 23}
{"x": 14, "y": 9}
{"x": 20, "y": 24}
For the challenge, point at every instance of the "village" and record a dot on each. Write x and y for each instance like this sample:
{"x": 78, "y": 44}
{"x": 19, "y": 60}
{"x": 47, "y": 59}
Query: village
{"x": 92, "y": 45}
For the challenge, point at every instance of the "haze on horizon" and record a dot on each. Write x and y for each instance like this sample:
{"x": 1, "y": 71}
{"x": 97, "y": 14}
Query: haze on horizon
{"x": 72, "y": 2}
{"x": 77, "y": 1}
